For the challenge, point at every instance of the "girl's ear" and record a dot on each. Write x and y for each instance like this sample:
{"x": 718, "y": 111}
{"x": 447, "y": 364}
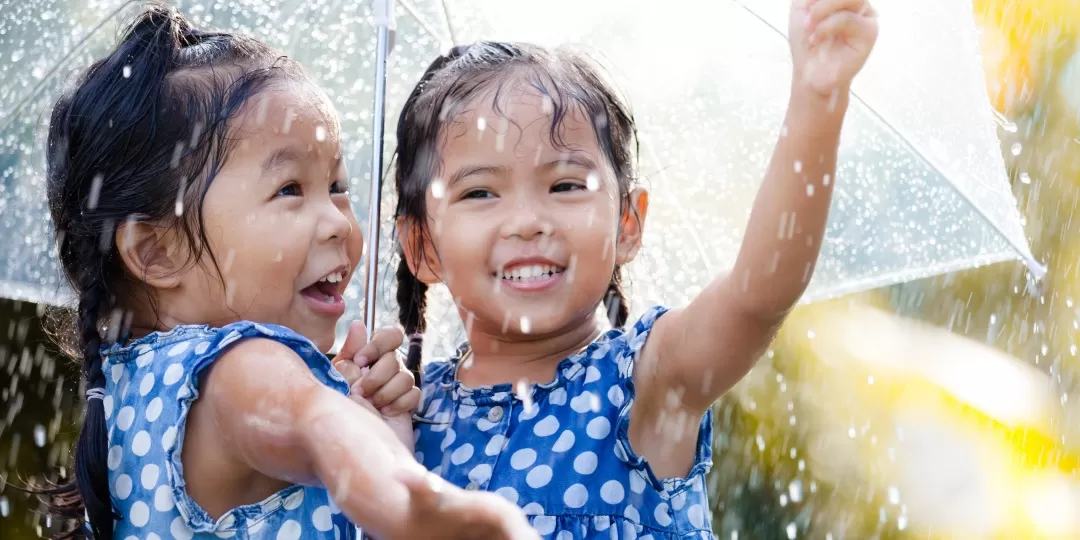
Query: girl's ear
{"x": 152, "y": 254}
{"x": 632, "y": 226}
{"x": 419, "y": 252}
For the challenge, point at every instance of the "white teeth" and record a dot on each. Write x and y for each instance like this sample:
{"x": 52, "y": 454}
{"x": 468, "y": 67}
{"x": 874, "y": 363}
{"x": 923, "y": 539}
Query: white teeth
{"x": 336, "y": 277}
{"x": 531, "y": 272}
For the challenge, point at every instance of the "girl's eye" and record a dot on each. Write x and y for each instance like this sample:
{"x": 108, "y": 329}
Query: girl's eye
{"x": 289, "y": 190}
{"x": 567, "y": 186}
{"x": 477, "y": 194}
{"x": 340, "y": 186}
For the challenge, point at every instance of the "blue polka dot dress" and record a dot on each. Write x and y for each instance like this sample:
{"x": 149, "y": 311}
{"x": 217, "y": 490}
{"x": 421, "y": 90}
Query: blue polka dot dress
{"x": 563, "y": 453}
{"x": 150, "y": 386}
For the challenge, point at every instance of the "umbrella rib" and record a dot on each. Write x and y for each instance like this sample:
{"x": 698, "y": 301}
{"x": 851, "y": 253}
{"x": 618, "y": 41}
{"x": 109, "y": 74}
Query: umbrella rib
{"x": 1034, "y": 266}
{"x": 446, "y": 17}
{"x": 411, "y": 10}
{"x": 52, "y": 71}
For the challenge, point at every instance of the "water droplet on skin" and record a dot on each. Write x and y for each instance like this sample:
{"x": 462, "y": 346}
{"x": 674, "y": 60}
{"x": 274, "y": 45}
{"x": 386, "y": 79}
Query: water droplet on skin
{"x": 95, "y": 191}
{"x": 506, "y": 323}
{"x": 127, "y": 72}
{"x": 526, "y": 326}
{"x": 1017, "y": 148}
{"x": 320, "y": 133}
{"x": 438, "y": 188}
{"x": 279, "y": 257}
{"x": 825, "y": 180}
{"x": 798, "y": 166}
{"x": 809, "y": 190}
{"x": 592, "y": 183}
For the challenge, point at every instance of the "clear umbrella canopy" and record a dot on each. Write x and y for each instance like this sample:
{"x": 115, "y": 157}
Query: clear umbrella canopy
{"x": 921, "y": 184}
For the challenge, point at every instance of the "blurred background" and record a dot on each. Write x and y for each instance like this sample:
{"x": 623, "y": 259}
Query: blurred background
{"x": 943, "y": 408}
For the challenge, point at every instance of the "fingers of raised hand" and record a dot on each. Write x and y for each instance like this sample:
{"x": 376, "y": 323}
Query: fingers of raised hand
{"x": 385, "y": 340}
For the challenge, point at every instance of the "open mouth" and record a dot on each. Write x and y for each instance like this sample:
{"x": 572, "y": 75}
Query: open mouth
{"x": 327, "y": 289}
{"x": 530, "y": 273}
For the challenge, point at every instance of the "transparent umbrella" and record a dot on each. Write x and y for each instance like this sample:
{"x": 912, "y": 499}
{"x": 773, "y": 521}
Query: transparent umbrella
{"x": 922, "y": 187}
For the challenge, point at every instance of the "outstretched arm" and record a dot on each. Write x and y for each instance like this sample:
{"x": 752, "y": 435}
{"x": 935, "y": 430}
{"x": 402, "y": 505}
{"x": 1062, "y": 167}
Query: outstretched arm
{"x": 265, "y": 413}
{"x": 705, "y": 348}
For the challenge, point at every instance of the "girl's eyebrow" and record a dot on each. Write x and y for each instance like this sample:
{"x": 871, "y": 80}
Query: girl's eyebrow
{"x": 573, "y": 158}
{"x": 579, "y": 159}
{"x": 470, "y": 170}
{"x": 280, "y": 158}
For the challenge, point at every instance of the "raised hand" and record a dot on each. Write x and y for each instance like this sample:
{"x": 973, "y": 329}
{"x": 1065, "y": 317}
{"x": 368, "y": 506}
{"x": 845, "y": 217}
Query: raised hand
{"x": 830, "y": 42}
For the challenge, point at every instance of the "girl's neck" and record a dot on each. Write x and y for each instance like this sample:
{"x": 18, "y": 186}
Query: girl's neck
{"x": 497, "y": 358}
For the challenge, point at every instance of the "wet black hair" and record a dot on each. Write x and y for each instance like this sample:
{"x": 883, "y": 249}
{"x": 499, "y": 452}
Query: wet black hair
{"x": 570, "y": 79}
{"x": 140, "y": 136}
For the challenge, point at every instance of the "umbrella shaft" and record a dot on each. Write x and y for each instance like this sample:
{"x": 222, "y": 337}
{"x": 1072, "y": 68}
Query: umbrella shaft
{"x": 379, "y": 114}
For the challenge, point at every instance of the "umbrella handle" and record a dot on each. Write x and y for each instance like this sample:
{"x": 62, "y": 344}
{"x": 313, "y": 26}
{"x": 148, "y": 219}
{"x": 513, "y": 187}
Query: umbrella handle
{"x": 384, "y": 31}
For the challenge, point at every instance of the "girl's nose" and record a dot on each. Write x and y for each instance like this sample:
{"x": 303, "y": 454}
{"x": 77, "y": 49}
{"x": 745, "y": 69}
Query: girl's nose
{"x": 525, "y": 221}
{"x": 334, "y": 223}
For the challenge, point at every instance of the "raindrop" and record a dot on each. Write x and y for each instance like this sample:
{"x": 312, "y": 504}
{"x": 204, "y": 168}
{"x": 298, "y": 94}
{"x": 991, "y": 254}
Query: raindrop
{"x": 851, "y": 432}
{"x": 547, "y": 105}
{"x": 127, "y": 72}
{"x": 592, "y": 181}
{"x": 760, "y": 443}
{"x": 901, "y": 522}
{"x": 95, "y": 191}
{"x": 438, "y": 188}
{"x": 5, "y": 509}
{"x": 810, "y": 334}
{"x": 795, "y": 490}
{"x": 798, "y": 166}
{"x": 894, "y": 495}
{"x": 783, "y": 500}
{"x": 287, "y": 125}
{"x": 1025, "y": 178}
{"x": 178, "y": 152}
{"x": 39, "y": 436}
{"x": 481, "y": 125}
{"x": 870, "y": 380}
{"x": 791, "y": 530}
{"x": 809, "y": 190}
{"x": 524, "y": 393}
{"x": 1017, "y": 148}
{"x": 320, "y": 133}
{"x": 525, "y": 325}
{"x": 802, "y": 465}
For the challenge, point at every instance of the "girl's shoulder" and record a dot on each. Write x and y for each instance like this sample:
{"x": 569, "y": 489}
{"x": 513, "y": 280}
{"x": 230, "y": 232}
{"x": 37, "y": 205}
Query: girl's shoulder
{"x": 151, "y": 385}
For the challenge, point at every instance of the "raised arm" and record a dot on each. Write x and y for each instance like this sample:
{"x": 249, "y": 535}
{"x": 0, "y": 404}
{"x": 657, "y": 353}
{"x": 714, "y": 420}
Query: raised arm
{"x": 707, "y": 347}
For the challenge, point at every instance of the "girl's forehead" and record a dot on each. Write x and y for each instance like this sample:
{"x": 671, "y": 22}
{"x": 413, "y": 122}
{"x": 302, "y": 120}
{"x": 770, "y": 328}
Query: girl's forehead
{"x": 290, "y": 104}
{"x": 517, "y": 119}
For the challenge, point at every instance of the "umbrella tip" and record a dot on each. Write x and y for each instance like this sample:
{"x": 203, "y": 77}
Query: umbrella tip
{"x": 1036, "y": 277}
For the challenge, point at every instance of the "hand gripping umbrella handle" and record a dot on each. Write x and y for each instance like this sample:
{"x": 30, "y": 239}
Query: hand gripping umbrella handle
{"x": 384, "y": 32}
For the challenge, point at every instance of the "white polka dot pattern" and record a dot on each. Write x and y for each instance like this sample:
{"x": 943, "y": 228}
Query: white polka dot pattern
{"x": 562, "y": 455}
{"x": 146, "y": 404}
